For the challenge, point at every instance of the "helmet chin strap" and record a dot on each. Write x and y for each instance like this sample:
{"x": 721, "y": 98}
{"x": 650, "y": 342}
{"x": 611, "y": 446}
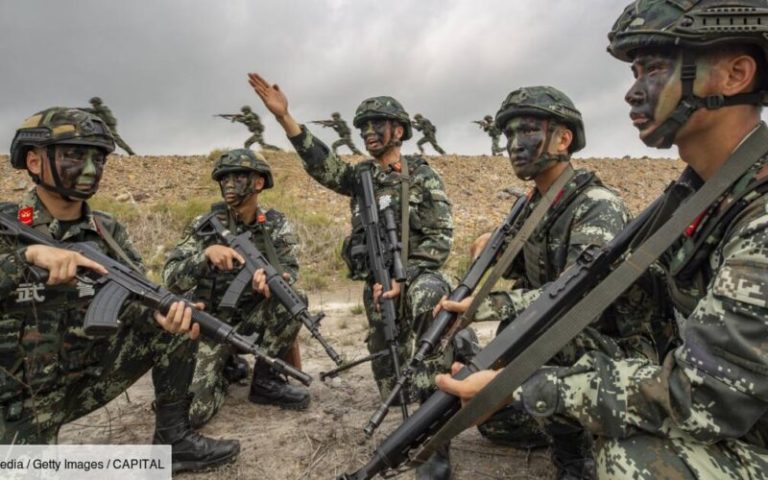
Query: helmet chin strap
{"x": 664, "y": 135}
{"x": 546, "y": 159}
{"x": 68, "y": 194}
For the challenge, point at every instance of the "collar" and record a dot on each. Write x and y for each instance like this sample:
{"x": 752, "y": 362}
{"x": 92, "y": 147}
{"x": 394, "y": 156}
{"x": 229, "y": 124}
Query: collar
{"x": 41, "y": 217}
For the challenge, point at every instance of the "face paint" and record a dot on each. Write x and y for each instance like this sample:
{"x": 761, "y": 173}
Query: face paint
{"x": 79, "y": 167}
{"x": 236, "y": 187}
{"x": 656, "y": 91}
{"x": 527, "y": 144}
{"x": 377, "y": 135}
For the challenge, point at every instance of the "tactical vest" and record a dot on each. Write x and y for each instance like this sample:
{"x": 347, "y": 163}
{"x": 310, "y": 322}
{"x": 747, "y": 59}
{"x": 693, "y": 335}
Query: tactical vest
{"x": 689, "y": 270}
{"x": 210, "y": 289}
{"x": 387, "y": 189}
{"x": 540, "y": 267}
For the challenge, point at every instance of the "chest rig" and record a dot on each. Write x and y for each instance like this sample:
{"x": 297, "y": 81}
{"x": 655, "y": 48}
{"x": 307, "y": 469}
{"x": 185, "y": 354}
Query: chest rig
{"x": 691, "y": 264}
{"x": 391, "y": 186}
{"x": 210, "y": 289}
{"x": 542, "y": 263}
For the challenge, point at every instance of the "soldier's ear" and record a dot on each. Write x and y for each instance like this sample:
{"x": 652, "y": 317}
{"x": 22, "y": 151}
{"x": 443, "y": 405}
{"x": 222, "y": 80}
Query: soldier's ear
{"x": 258, "y": 182}
{"x": 564, "y": 138}
{"x": 34, "y": 161}
{"x": 398, "y": 132}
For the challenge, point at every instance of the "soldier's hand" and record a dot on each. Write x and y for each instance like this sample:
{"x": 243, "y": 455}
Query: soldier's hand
{"x": 451, "y": 306}
{"x": 378, "y": 294}
{"x": 478, "y": 245}
{"x": 223, "y": 257}
{"x": 179, "y": 319}
{"x": 259, "y": 283}
{"x": 61, "y": 264}
{"x": 464, "y": 389}
{"x": 274, "y": 99}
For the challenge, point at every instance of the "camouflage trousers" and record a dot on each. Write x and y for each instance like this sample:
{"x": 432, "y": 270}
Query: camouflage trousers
{"x": 276, "y": 331}
{"x": 515, "y": 427}
{"x": 121, "y": 143}
{"x": 495, "y": 148}
{"x": 422, "y": 294}
{"x": 259, "y": 138}
{"x": 649, "y": 457}
{"x": 136, "y": 347}
{"x": 432, "y": 141}
{"x": 345, "y": 141}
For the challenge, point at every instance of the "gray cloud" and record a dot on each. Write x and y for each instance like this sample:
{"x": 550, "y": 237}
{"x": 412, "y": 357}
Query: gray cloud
{"x": 165, "y": 67}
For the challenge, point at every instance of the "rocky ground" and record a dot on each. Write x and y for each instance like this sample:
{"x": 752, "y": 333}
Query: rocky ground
{"x": 327, "y": 439}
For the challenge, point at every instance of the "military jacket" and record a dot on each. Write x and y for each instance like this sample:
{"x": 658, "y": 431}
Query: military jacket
{"x": 104, "y": 113}
{"x": 187, "y": 271}
{"x": 425, "y": 126}
{"x": 42, "y": 342}
{"x": 340, "y": 127}
{"x": 252, "y": 121}
{"x": 714, "y": 384}
{"x": 586, "y": 213}
{"x": 430, "y": 217}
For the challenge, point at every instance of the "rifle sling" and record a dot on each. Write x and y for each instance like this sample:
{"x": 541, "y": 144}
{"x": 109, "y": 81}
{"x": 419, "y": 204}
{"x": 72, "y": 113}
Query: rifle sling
{"x": 405, "y": 223}
{"x": 564, "y": 329}
{"x": 114, "y": 246}
{"x": 516, "y": 244}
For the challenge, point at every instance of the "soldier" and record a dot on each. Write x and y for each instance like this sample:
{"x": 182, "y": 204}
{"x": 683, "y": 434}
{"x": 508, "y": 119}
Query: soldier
{"x": 543, "y": 129}
{"x": 428, "y": 130}
{"x": 384, "y": 125}
{"x": 701, "y": 413}
{"x": 206, "y": 268}
{"x": 52, "y": 372}
{"x": 340, "y": 126}
{"x": 489, "y": 127}
{"x": 104, "y": 113}
{"x": 253, "y": 122}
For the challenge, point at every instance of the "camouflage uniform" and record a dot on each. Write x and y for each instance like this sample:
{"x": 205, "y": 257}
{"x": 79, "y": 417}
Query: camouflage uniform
{"x": 428, "y": 130}
{"x": 104, "y": 113}
{"x": 430, "y": 241}
{"x": 51, "y": 372}
{"x": 187, "y": 270}
{"x": 340, "y": 127}
{"x": 253, "y": 122}
{"x": 701, "y": 413}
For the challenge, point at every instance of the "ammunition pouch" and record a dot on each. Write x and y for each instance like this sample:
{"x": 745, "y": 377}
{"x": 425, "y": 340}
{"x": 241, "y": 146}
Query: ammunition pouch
{"x": 355, "y": 255}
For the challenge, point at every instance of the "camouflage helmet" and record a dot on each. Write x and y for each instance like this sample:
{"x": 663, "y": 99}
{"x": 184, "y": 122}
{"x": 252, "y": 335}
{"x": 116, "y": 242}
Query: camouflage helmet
{"x": 335, "y": 115}
{"x": 546, "y": 102}
{"x": 488, "y": 118}
{"x": 242, "y": 160}
{"x": 688, "y": 23}
{"x": 96, "y": 100}
{"x": 383, "y": 107}
{"x": 59, "y": 125}
{"x": 418, "y": 116}
{"x": 245, "y": 109}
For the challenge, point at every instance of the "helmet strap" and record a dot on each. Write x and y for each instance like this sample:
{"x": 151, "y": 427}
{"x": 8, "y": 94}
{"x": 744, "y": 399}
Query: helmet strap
{"x": 546, "y": 159}
{"x": 664, "y": 135}
{"x": 68, "y": 194}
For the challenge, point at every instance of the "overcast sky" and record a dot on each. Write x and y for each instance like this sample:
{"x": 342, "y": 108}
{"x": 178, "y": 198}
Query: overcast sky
{"x": 165, "y": 66}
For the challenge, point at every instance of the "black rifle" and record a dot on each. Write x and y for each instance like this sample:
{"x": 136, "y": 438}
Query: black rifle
{"x": 280, "y": 288}
{"x": 383, "y": 256}
{"x": 554, "y": 302}
{"x": 324, "y": 123}
{"x": 479, "y": 122}
{"x": 444, "y": 320}
{"x": 228, "y": 116}
{"x": 122, "y": 282}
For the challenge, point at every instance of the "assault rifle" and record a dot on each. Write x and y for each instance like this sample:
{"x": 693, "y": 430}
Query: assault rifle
{"x": 444, "y": 320}
{"x": 383, "y": 257}
{"x": 228, "y": 116}
{"x": 280, "y": 288}
{"x": 122, "y": 282}
{"x": 324, "y": 123}
{"x": 479, "y": 122}
{"x": 554, "y": 302}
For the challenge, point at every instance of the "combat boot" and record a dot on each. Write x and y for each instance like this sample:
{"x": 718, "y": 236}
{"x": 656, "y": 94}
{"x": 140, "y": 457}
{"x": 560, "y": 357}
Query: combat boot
{"x": 438, "y": 466}
{"x": 189, "y": 449}
{"x": 572, "y": 455}
{"x": 270, "y": 388}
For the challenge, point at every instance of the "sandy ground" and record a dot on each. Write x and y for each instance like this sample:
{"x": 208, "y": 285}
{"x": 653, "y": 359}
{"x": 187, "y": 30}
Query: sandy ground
{"x": 320, "y": 443}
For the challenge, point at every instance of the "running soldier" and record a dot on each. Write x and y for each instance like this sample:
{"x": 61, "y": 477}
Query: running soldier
{"x": 253, "y": 122}
{"x": 104, "y": 113}
{"x": 428, "y": 130}
{"x": 340, "y": 127}
{"x": 489, "y": 127}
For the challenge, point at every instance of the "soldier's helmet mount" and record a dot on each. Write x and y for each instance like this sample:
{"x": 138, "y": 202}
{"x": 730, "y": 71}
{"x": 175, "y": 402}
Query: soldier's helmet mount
{"x": 383, "y": 107}
{"x": 243, "y": 160}
{"x": 545, "y": 102}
